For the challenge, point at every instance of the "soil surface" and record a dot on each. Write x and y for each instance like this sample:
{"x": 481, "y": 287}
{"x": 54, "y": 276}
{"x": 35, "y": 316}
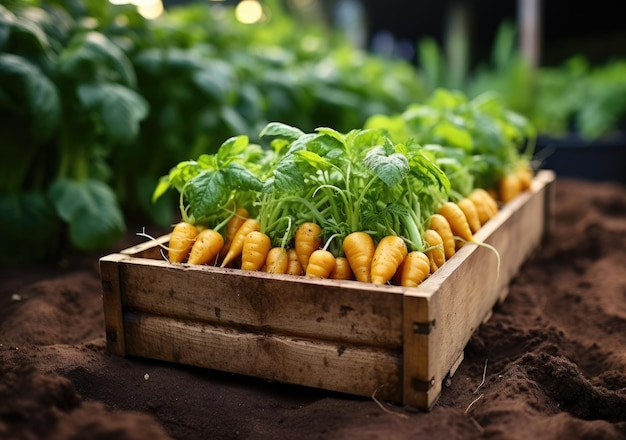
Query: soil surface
{"x": 549, "y": 364}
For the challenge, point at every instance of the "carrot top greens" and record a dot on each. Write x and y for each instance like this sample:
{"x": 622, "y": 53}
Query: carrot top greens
{"x": 387, "y": 178}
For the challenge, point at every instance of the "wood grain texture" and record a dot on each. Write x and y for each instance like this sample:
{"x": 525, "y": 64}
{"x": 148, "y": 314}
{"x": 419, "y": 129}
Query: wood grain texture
{"x": 328, "y": 365}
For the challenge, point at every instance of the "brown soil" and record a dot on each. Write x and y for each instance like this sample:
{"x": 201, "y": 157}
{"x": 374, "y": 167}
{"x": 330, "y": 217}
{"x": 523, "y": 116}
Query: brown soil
{"x": 549, "y": 364}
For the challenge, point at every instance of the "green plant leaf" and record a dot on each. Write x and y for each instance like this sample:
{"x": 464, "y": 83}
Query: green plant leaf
{"x": 280, "y": 130}
{"x": 29, "y": 96}
{"x": 22, "y": 36}
{"x": 206, "y": 193}
{"x": 120, "y": 109}
{"x": 93, "y": 57}
{"x": 30, "y": 227}
{"x": 91, "y": 210}
{"x": 386, "y": 164}
{"x": 286, "y": 177}
{"x": 238, "y": 178}
{"x": 216, "y": 79}
{"x": 232, "y": 148}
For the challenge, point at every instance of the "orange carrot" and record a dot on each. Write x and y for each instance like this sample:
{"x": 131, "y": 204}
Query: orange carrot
{"x": 457, "y": 220}
{"x": 509, "y": 187}
{"x": 294, "y": 267}
{"x": 181, "y": 241}
{"x": 482, "y": 210}
{"x": 525, "y": 174}
{"x": 235, "y": 222}
{"x": 342, "y": 270}
{"x": 439, "y": 224}
{"x": 308, "y": 238}
{"x": 359, "y": 249}
{"x": 469, "y": 209}
{"x": 435, "y": 253}
{"x": 277, "y": 260}
{"x": 388, "y": 255}
{"x": 486, "y": 205}
{"x": 236, "y": 247}
{"x": 256, "y": 245}
{"x": 206, "y": 248}
{"x": 415, "y": 269}
{"x": 321, "y": 264}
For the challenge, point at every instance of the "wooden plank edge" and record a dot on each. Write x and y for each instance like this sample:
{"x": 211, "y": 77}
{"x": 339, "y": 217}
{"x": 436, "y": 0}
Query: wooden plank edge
{"x": 112, "y": 303}
{"x": 356, "y": 370}
{"x": 147, "y": 247}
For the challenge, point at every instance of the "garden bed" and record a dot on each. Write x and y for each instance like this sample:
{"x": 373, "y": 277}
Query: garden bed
{"x": 347, "y": 336}
{"x": 548, "y": 363}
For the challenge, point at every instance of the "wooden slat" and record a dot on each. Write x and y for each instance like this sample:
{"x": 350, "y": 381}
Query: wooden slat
{"x": 321, "y": 309}
{"x": 149, "y": 249}
{"x": 112, "y": 303}
{"x": 337, "y": 367}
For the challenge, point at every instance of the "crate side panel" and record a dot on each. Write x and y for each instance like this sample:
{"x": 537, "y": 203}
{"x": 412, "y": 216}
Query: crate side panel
{"x": 348, "y": 311}
{"x": 468, "y": 290}
{"x": 464, "y": 291}
{"x": 336, "y": 367}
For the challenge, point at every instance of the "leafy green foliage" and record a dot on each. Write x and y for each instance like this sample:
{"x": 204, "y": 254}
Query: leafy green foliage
{"x": 90, "y": 209}
{"x": 30, "y": 227}
{"x": 97, "y": 103}
{"x": 120, "y": 109}
{"x": 477, "y": 141}
{"x": 571, "y": 97}
{"x": 67, "y": 102}
{"x": 349, "y": 182}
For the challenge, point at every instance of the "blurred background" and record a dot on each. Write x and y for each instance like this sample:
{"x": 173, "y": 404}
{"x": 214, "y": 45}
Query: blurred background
{"x": 555, "y": 29}
{"x": 100, "y": 99}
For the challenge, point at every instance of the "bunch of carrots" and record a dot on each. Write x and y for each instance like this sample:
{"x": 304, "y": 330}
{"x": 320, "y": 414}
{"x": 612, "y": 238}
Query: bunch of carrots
{"x": 386, "y": 261}
{"x": 353, "y": 206}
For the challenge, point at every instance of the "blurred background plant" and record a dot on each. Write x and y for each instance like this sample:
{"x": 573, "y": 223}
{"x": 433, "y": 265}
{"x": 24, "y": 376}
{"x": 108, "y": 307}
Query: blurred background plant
{"x": 575, "y": 96}
{"x": 99, "y": 100}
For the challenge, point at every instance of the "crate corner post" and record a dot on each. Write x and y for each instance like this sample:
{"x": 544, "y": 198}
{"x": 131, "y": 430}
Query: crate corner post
{"x": 112, "y": 303}
{"x": 420, "y": 388}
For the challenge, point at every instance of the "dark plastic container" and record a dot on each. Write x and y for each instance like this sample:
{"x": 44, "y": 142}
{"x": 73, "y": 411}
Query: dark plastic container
{"x": 571, "y": 156}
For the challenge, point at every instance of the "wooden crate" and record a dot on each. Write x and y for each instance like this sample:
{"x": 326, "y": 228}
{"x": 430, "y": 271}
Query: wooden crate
{"x": 396, "y": 343}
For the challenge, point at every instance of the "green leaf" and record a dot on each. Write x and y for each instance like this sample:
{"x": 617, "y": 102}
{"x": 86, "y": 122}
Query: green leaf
{"x": 232, "y": 148}
{"x": 314, "y": 160}
{"x": 280, "y": 130}
{"x": 390, "y": 168}
{"x": 28, "y": 95}
{"x": 93, "y": 57}
{"x": 216, "y": 79}
{"x": 163, "y": 185}
{"x": 328, "y": 146}
{"x": 22, "y": 36}
{"x": 364, "y": 137}
{"x": 30, "y": 227}
{"x": 91, "y": 210}
{"x": 238, "y": 178}
{"x": 286, "y": 177}
{"x": 119, "y": 108}
{"x": 205, "y": 193}
{"x": 454, "y": 135}
{"x": 427, "y": 170}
